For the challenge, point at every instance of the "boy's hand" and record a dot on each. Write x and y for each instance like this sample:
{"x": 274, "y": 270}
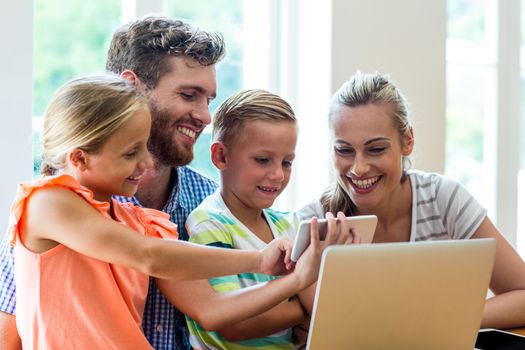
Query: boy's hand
{"x": 339, "y": 232}
{"x": 275, "y": 257}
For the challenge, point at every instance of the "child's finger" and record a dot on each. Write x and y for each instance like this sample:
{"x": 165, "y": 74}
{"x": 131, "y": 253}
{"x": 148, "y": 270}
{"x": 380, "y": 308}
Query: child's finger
{"x": 356, "y": 237}
{"x": 331, "y": 232}
{"x": 344, "y": 229}
{"x": 314, "y": 231}
{"x": 288, "y": 244}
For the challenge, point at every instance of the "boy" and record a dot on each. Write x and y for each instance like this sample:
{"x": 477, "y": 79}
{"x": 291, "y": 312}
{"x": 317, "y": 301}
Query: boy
{"x": 254, "y": 139}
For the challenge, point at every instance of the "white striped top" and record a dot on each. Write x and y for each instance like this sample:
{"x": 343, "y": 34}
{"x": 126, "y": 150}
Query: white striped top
{"x": 441, "y": 208}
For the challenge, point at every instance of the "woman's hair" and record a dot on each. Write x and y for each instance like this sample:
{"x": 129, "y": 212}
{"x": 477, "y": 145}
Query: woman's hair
{"x": 84, "y": 113}
{"x": 363, "y": 89}
{"x": 248, "y": 105}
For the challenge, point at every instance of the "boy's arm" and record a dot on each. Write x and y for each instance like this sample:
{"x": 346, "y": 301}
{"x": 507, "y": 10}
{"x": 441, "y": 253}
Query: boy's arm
{"x": 306, "y": 297}
{"x": 279, "y": 318}
{"x": 216, "y": 311}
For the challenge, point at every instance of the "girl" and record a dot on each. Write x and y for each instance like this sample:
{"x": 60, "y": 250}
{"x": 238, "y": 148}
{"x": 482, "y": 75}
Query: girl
{"x": 82, "y": 259}
{"x": 372, "y": 139}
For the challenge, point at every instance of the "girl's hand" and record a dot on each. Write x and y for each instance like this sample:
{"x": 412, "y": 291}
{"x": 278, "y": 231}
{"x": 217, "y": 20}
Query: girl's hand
{"x": 338, "y": 232}
{"x": 275, "y": 257}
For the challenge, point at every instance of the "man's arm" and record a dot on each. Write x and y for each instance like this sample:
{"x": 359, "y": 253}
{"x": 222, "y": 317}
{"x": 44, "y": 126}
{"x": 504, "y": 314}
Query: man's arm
{"x": 9, "y": 339}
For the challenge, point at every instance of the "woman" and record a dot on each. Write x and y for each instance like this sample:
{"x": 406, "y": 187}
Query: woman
{"x": 372, "y": 139}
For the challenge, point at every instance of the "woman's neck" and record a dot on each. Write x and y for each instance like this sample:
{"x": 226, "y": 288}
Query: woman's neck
{"x": 394, "y": 215}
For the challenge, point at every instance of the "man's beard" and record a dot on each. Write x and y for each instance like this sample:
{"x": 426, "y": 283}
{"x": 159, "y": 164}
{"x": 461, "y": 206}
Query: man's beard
{"x": 161, "y": 143}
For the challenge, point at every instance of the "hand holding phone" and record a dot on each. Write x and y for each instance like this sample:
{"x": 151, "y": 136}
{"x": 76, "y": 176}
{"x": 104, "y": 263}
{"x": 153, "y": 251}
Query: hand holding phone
{"x": 364, "y": 225}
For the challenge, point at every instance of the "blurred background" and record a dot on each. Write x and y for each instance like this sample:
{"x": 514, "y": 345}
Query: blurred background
{"x": 458, "y": 62}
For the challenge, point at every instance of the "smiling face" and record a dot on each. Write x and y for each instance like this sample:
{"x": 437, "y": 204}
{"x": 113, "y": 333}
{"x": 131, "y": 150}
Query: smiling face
{"x": 179, "y": 108}
{"x": 118, "y": 166}
{"x": 368, "y": 153}
{"x": 257, "y": 164}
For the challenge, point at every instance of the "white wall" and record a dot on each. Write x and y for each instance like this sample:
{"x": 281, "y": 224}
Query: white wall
{"x": 310, "y": 48}
{"x": 406, "y": 39}
{"x": 16, "y": 65}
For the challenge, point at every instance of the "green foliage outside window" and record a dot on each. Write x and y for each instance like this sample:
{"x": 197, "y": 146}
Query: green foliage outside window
{"x": 224, "y": 16}
{"x": 71, "y": 39}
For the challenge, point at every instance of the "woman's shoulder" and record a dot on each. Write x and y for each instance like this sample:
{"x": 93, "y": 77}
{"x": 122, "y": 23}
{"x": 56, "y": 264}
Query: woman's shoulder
{"x": 431, "y": 181}
{"x": 314, "y": 208}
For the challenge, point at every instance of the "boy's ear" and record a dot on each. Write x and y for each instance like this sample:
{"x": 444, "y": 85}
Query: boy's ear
{"x": 408, "y": 143}
{"x": 78, "y": 158}
{"x": 219, "y": 155}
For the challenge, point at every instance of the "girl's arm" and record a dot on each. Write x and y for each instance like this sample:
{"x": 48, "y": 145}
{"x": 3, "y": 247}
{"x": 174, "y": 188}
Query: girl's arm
{"x": 215, "y": 311}
{"x": 507, "y": 308}
{"x": 57, "y": 215}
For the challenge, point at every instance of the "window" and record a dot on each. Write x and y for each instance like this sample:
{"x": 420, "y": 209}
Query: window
{"x": 63, "y": 51}
{"x": 224, "y": 16}
{"x": 471, "y": 93}
{"x": 483, "y": 107}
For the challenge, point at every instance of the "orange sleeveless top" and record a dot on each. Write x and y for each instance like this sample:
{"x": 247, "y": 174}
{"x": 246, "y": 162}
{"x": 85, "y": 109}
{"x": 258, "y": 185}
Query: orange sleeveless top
{"x": 66, "y": 300}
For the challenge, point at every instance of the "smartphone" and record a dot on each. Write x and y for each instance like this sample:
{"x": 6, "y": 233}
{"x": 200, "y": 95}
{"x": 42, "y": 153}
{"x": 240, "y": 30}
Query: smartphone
{"x": 365, "y": 225}
{"x": 494, "y": 339}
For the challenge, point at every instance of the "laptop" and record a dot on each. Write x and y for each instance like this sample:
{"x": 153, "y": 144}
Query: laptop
{"x": 422, "y": 295}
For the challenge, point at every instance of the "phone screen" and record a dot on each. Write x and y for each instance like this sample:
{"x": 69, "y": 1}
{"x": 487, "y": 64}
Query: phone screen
{"x": 496, "y": 340}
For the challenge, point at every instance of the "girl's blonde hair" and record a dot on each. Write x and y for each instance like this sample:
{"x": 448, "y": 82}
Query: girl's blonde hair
{"x": 248, "y": 105}
{"x": 83, "y": 114}
{"x": 363, "y": 89}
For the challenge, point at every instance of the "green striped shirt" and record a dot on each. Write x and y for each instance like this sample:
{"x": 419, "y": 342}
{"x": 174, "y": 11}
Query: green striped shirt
{"x": 212, "y": 223}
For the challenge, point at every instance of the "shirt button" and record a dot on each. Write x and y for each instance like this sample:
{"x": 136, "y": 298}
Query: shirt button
{"x": 159, "y": 328}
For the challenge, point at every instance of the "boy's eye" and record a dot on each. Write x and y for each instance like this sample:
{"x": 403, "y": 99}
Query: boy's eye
{"x": 261, "y": 160}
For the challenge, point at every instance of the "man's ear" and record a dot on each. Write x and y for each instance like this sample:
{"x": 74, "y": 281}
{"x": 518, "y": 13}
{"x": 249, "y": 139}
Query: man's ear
{"x": 78, "y": 158}
{"x": 408, "y": 143}
{"x": 133, "y": 79}
{"x": 219, "y": 155}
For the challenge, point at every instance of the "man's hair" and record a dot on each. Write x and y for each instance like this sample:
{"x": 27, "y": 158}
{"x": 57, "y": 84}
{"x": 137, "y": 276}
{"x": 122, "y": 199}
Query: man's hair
{"x": 84, "y": 113}
{"x": 245, "y": 106}
{"x": 145, "y": 45}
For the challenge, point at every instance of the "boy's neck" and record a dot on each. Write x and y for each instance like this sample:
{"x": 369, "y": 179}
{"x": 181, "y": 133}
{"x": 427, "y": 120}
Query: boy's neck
{"x": 253, "y": 219}
{"x": 155, "y": 187}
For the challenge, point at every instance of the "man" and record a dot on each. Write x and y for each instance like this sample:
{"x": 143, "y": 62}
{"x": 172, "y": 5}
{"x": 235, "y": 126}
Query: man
{"x": 173, "y": 64}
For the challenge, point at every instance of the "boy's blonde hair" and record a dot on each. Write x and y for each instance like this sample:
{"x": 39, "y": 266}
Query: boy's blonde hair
{"x": 248, "y": 105}
{"x": 83, "y": 114}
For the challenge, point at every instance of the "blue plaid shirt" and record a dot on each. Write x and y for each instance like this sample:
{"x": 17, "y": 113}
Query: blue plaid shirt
{"x": 163, "y": 324}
